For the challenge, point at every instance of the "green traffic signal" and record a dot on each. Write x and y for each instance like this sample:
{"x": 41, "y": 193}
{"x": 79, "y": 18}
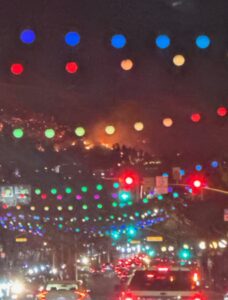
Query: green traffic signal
{"x": 124, "y": 196}
{"x": 115, "y": 235}
{"x": 185, "y": 254}
{"x": 131, "y": 231}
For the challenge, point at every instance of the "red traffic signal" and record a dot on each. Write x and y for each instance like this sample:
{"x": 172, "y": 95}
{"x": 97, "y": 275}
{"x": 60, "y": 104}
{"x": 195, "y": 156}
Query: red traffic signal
{"x": 128, "y": 180}
{"x": 197, "y": 183}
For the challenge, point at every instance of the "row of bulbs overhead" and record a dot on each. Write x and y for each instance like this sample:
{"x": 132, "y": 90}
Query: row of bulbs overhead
{"x": 50, "y": 133}
{"x": 118, "y": 41}
{"x": 72, "y": 67}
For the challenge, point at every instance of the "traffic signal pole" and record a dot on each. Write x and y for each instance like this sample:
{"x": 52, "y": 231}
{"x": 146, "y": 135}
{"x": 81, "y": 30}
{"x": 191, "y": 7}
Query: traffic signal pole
{"x": 216, "y": 190}
{"x": 203, "y": 188}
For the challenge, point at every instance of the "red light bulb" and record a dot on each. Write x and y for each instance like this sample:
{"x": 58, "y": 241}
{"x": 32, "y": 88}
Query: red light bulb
{"x": 196, "y": 117}
{"x": 71, "y": 67}
{"x": 17, "y": 69}
{"x": 222, "y": 111}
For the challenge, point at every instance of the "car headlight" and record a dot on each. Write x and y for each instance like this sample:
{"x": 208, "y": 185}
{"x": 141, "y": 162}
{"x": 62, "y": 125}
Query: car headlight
{"x": 17, "y": 287}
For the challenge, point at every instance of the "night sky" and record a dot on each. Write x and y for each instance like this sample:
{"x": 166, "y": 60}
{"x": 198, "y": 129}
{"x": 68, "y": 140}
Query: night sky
{"x": 101, "y": 92}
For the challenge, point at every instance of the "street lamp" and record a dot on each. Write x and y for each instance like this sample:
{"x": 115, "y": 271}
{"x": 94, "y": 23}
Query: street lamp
{"x": 203, "y": 245}
{"x": 222, "y": 244}
{"x": 214, "y": 245}
{"x": 85, "y": 260}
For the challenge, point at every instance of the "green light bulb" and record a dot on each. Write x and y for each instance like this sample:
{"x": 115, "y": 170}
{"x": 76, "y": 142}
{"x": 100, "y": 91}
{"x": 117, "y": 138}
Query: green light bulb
{"x": 116, "y": 185}
{"x": 84, "y": 189}
{"x": 18, "y": 133}
{"x": 54, "y": 191}
{"x": 80, "y": 131}
{"x": 99, "y": 187}
{"x": 145, "y": 200}
{"x": 37, "y": 191}
{"x": 49, "y": 133}
{"x": 60, "y": 226}
{"x": 68, "y": 190}
{"x": 84, "y": 206}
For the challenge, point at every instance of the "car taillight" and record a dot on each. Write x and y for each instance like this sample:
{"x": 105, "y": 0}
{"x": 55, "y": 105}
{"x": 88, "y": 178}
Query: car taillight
{"x": 163, "y": 269}
{"x": 198, "y": 297}
{"x": 128, "y": 296}
{"x": 42, "y": 295}
{"x": 80, "y": 295}
{"x": 195, "y": 277}
{"x": 150, "y": 276}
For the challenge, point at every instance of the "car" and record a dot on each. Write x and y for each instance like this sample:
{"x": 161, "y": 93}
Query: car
{"x": 63, "y": 290}
{"x": 22, "y": 290}
{"x": 164, "y": 282}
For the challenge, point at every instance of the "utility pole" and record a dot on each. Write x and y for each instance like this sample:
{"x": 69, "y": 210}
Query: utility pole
{"x": 76, "y": 258}
{"x": 53, "y": 259}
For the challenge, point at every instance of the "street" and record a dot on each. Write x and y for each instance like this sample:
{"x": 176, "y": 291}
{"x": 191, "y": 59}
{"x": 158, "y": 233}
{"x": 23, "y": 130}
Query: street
{"x": 103, "y": 287}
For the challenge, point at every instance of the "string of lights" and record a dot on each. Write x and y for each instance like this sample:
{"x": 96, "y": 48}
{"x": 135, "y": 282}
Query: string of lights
{"x": 109, "y": 130}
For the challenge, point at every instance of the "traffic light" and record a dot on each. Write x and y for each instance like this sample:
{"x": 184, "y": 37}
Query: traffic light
{"x": 185, "y": 254}
{"x": 128, "y": 180}
{"x": 131, "y": 231}
{"x": 124, "y": 196}
{"x": 115, "y": 235}
{"x": 197, "y": 186}
{"x": 128, "y": 187}
{"x": 197, "y": 183}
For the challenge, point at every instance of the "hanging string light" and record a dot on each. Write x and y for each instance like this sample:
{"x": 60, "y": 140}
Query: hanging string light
{"x": 179, "y": 60}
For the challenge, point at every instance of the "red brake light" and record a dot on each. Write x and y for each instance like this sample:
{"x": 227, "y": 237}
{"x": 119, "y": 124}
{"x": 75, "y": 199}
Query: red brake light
{"x": 42, "y": 295}
{"x": 198, "y": 297}
{"x": 150, "y": 275}
{"x": 81, "y": 295}
{"x": 128, "y": 296}
{"x": 195, "y": 277}
{"x": 163, "y": 269}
